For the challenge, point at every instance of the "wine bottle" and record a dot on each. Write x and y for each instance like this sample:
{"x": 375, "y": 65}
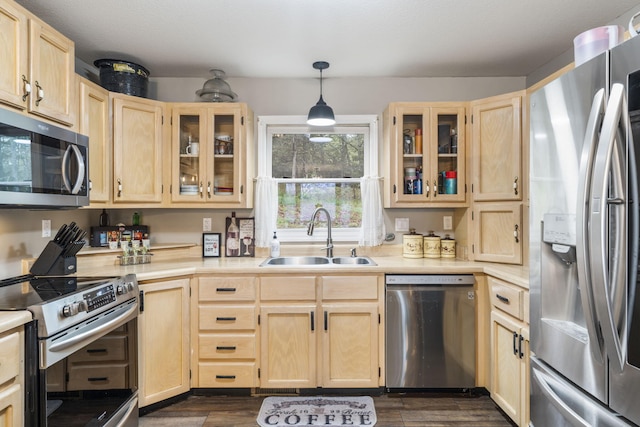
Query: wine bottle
{"x": 233, "y": 238}
{"x": 104, "y": 218}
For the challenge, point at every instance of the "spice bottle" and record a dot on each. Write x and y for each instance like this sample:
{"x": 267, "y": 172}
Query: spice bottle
{"x": 418, "y": 141}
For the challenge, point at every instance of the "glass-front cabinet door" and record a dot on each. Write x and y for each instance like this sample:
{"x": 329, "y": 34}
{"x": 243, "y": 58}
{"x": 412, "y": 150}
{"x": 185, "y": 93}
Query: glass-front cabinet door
{"x": 209, "y": 154}
{"x": 426, "y": 151}
{"x": 189, "y": 147}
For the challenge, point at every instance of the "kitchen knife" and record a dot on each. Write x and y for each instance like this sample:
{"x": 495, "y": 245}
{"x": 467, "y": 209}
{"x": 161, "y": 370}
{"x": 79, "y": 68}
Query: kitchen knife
{"x": 60, "y": 232}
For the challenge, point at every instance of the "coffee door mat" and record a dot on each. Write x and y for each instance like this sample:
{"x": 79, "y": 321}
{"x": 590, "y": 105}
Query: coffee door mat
{"x": 281, "y": 411}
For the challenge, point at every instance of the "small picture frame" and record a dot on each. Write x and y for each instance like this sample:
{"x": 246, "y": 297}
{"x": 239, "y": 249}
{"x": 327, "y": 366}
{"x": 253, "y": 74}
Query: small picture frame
{"x": 210, "y": 245}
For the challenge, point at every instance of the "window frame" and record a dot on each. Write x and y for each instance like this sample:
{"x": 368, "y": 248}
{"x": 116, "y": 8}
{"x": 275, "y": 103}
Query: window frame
{"x": 267, "y": 125}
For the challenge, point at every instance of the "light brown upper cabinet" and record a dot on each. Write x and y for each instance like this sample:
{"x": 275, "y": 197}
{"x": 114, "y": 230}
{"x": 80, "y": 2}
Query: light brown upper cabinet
{"x": 137, "y": 149}
{"x": 37, "y": 68}
{"x": 211, "y": 162}
{"x": 496, "y": 148}
{"x": 424, "y": 155}
{"x": 93, "y": 121}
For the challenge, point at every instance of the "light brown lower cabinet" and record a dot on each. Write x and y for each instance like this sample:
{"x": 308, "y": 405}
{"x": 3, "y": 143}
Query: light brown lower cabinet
{"x": 326, "y": 333}
{"x": 510, "y": 350}
{"x": 224, "y": 327}
{"x": 11, "y": 377}
{"x": 163, "y": 340}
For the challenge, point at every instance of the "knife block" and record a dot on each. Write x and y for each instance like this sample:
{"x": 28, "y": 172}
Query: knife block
{"x": 52, "y": 261}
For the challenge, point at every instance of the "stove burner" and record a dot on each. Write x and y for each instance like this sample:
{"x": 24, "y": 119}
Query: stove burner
{"x": 52, "y": 288}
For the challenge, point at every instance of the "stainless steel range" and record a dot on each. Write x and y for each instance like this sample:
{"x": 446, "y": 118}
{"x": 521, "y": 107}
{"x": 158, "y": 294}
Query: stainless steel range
{"x": 65, "y": 360}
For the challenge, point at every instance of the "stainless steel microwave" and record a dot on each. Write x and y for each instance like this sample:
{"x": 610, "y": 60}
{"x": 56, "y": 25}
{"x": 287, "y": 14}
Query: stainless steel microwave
{"x": 41, "y": 165}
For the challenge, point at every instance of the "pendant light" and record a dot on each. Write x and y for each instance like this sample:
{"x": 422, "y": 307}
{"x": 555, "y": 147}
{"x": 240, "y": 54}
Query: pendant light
{"x": 321, "y": 114}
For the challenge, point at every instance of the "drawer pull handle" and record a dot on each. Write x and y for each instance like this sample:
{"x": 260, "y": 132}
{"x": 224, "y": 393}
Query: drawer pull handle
{"x": 98, "y": 379}
{"x": 96, "y": 350}
{"x": 503, "y": 299}
{"x": 220, "y": 347}
{"x": 225, "y": 377}
{"x": 226, "y": 319}
{"x": 225, "y": 289}
{"x": 515, "y": 338}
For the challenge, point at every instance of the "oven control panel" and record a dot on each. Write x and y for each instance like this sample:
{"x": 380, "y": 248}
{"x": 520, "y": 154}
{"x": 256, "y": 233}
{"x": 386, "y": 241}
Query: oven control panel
{"x": 100, "y": 297}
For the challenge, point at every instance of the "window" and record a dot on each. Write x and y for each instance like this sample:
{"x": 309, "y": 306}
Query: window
{"x": 318, "y": 168}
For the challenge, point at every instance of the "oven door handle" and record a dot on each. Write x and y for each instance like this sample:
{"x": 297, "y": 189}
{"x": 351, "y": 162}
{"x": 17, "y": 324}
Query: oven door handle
{"x": 94, "y": 332}
{"x": 121, "y": 419}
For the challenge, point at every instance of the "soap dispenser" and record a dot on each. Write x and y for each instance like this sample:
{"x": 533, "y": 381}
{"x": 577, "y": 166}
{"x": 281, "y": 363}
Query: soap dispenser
{"x": 275, "y": 246}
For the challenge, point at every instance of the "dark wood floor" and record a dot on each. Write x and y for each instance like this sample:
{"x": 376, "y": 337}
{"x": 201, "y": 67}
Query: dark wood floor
{"x": 392, "y": 410}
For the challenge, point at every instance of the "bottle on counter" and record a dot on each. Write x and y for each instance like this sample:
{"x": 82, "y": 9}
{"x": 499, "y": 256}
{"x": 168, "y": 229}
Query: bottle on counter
{"x": 275, "y": 246}
{"x": 104, "y": 218}
{"x": 233, "y": 238}
{"x": 136, "y": 219}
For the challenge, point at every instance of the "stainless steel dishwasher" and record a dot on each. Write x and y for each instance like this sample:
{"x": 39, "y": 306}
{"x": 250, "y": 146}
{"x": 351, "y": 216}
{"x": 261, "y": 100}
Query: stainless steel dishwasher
{"x": 430, "y": 331}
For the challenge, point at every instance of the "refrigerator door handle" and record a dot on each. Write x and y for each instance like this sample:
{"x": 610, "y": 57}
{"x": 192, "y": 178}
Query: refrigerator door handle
{"x": 608, "y": 182}
{"x": 547, "y": 383}
{"x": 582, "y": 232}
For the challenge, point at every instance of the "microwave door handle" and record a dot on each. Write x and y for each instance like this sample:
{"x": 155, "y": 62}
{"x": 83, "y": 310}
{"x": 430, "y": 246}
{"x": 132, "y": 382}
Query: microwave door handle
{"x": 606, "y": 284}
{"x": 65, "y": 161}
{"x": 80, "y": 176}
{"x": 582, "y": 229}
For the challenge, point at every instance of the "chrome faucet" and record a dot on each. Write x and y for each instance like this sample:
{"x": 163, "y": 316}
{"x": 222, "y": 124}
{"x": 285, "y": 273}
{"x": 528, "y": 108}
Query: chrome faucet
{"x": 329, "y": 247}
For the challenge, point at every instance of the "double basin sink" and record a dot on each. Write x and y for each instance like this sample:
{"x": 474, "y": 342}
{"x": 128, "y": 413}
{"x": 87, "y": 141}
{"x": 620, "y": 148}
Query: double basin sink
{"x": 316, "y": 261}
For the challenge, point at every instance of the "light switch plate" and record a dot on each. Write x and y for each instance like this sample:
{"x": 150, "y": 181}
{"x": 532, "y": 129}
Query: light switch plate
{"x": 402, "y": 224}
{"x": 206, "y": 224}
{"x": 447, "y": 222}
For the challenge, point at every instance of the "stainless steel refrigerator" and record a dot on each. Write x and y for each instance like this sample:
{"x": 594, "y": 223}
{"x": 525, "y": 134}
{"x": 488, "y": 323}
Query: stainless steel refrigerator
{"x": 584, "y": 210}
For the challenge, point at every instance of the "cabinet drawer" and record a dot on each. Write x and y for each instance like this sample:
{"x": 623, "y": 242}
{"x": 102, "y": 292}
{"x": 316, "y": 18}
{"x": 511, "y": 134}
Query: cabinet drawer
{"x": 9, "y": 356}
{"x": 227, "y": 288}
{"x": 506, "y": 297}
{"x": 11, "y": 411}
{"x": 108, "y": 348}
{"x": 241, "y": 374}
{"x": 350, "y": 287}
{"x": 92, "y": 377}
{"x": 227, "y": 346}
{"x": 227, "y": 317}
{"x": 288, "y": 288}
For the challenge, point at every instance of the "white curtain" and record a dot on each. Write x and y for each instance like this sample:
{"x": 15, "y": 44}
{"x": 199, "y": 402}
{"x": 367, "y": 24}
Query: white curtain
{"x": 373, "y": 231}
{"x": 266, "y": 209}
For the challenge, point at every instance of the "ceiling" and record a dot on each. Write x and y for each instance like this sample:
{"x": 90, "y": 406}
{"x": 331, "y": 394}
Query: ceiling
{"x": 359, "y": 38}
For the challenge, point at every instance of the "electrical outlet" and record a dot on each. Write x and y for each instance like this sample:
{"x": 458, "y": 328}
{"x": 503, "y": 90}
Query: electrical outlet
{"x": 206, "y": 224}
{"x": 46, "y": 228}
{"x": 447, "y": 223}
{"x": 402, "y": 224}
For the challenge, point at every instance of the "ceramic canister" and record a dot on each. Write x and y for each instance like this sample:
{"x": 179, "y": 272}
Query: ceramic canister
{"x": 431, "y": 245}
{"x": 412, "y": 245}
{"x": 447, "y": 247}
